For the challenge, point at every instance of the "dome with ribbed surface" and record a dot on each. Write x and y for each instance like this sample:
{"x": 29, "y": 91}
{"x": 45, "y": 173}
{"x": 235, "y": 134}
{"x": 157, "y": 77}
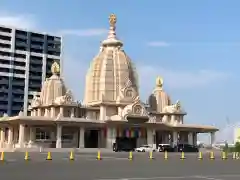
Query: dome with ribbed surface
{"x": 159, "y": 99}
{"x": 112, "y": 77}
{"x": 53, "y": 87}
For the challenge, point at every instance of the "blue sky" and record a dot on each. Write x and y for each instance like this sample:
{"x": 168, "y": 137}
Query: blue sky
{"x": 194, "y": 45}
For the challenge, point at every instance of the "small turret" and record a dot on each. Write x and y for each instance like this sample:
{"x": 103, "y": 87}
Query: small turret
{"x": 53, "y": 87}
{"x": 159, "y": 98}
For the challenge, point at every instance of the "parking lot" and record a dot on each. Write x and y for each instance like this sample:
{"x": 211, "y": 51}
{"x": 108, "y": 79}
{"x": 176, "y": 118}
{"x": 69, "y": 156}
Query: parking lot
{"x": 117, "y": 166}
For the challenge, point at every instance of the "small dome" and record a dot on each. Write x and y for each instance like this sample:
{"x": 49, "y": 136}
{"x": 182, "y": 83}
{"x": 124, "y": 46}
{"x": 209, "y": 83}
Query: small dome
{"x": 159, "y": 98}
{"x": 112, "y": 75}
{"x": 53, "y": 87}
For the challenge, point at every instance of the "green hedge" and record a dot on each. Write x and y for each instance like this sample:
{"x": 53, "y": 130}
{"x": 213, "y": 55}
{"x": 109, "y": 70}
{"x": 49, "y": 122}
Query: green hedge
{"x": 237, "y": 147}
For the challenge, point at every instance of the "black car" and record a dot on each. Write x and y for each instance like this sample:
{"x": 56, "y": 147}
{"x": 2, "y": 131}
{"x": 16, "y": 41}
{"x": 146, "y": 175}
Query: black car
{"x": 122, "y": 147}
{"x": 186, "y": 148}
{"x": 165, "y": 147}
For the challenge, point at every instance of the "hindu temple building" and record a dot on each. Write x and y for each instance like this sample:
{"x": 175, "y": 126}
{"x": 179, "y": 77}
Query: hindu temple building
{"x": 112, "y": 109}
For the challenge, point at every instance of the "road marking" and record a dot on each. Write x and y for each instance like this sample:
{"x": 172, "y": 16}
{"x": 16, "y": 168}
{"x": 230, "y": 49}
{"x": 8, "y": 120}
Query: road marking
{"x": 11, "y": 160}
{"x": 104, "y": 157}
{"x": 209, "y": 178}
{"x": 152, "y": 178}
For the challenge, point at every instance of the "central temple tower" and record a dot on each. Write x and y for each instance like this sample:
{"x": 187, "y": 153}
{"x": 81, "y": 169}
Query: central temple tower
{"x": 112, "y": 77}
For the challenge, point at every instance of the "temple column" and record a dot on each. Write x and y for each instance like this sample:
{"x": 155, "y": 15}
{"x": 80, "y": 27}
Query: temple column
{"x": 175, "y": 138}
{"x": 195, "y": 138}
{"x": 173, "y": 119}
{"x": 39, "y": 112}
{"x": 59, "y": 136}
{"x": 2, "y": 133}
{"x": 151, "y": 137}
{"x": 190, "y": 138}
{"x": 102, "y": 113}
{"x": 81, "y": 137}
{"x": 72, "y": 113}
{"x": 212, "y": 138}
{"x": 111, "y": 137}
{"x": 52, "y": 111}
{"x": 32, "y": 136}
{"x": 61, "y": 112}
{"x": 21, "y": 137}
{"x": 10, "y": 136}
{"x": 35, "y": 112}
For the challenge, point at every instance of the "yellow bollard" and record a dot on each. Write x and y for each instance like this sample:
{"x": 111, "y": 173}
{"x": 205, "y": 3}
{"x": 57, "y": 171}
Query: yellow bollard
{"x": 130, "y": 156}
{"x": 71, "y": 157}
{"x": 151, "y": 155}
{"x": 212, "y": 155}
{"x": 165, "y": 155}
{"x": 224, "y": 156}
{"x": 200, "y": 157}
{"x": 49, "y": 157}
{"x": 2, "y": 156}
{"x": 26, "y": 158}
{"x": 99, "y": 155}
{"x": 182, "y": 156}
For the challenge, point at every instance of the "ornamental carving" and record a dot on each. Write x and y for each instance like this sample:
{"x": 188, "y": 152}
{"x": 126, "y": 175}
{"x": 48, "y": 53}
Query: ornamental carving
{"x": 128, "y": 92}
{"x": 66, "y": 99}
{"x": 135, "y": 109}
{"x": 173, "y": 108}
{"x": 35, "y": 101}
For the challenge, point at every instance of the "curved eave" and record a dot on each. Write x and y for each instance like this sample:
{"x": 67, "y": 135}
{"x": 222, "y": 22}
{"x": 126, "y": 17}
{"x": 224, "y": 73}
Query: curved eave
{"x": 176, "y": 113}
{"x": 137, "y": 119}
{"x": 55, "y": 105}
{"x": 111, "y": 42}
{"x": 198, "y": 128}
{"x": 42, "y": 119}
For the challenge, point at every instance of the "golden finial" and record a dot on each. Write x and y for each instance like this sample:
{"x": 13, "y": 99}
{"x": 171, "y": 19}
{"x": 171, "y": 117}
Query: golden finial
{"x": 55, "y": 68}
{"x": 112, "y": 20}
{"x": 159, "y": 82}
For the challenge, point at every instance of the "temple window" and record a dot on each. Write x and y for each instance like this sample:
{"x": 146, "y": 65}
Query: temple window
{"x": 42, "y": 134}
{"x": 67, "y": 136}
{"x": 129, "y": 93}
{"x": 67, "y": 112}
{"x": 97, "y": 115}
{"x": 169, "y": 118}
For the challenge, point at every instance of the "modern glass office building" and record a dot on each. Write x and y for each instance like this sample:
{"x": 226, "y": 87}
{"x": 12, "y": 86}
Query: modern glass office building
{"x": 25, "y": 62}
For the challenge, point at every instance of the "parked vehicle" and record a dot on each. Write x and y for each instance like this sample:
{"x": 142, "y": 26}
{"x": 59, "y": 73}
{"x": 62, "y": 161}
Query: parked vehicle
{"x": 165, "y": 147}
{"x": 123, "y": 144}
{"x": 186, "y": 148}
{"x": 145, "y": 148}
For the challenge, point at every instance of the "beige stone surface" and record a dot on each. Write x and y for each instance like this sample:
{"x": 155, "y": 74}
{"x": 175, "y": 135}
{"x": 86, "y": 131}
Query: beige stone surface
{"x": 112, "y": 76}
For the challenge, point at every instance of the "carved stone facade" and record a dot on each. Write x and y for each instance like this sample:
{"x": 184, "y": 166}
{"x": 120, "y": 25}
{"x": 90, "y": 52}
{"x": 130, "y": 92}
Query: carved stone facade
{"x": 112, "y": 107}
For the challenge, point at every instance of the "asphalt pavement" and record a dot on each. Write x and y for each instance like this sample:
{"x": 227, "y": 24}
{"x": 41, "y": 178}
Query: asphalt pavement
{"x": 117, "y": 166}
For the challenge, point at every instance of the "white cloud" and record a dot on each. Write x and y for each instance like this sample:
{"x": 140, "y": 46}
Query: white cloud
{"x": 158, "y": 44}
{"x": 182, "y": 79}
{"x": 83, "y": 32}
{"x": 20, "y": 21}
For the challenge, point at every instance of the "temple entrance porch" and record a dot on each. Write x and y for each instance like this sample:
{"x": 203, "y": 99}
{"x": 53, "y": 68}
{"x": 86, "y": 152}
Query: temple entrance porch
{"x": 88, "y": 135}
{"x": 51, "y": 135}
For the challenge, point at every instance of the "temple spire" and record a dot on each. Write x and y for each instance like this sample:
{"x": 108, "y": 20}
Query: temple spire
{"x": 112, "y": 38}
{"x": 112, "y": 22}
{"x": 159, "y": 82}
{"x": 55, "y": 68}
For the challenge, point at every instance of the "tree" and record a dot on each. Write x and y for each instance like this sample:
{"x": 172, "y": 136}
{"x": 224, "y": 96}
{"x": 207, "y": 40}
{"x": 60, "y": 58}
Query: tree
{"x": 237, "y": 147}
